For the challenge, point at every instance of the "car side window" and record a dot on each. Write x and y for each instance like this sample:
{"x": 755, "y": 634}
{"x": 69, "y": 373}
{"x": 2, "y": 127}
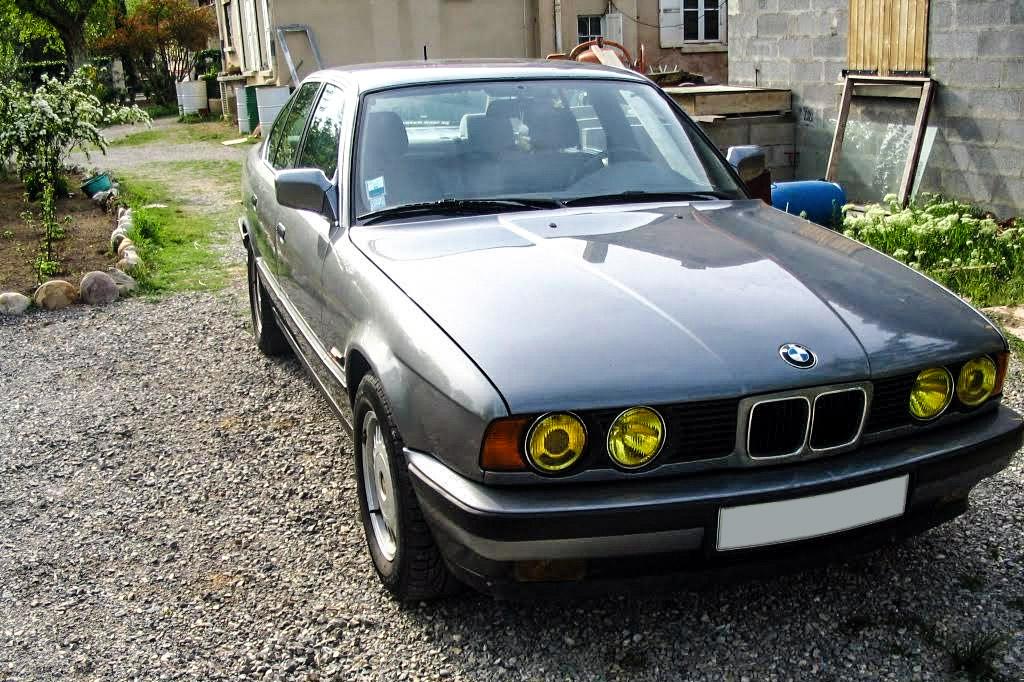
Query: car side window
{"x": 320, "y": 150}
{"x": 282, "y": 155}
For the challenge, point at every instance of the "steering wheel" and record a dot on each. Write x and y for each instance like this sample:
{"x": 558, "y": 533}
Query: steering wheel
{"x": 601, "y": 42}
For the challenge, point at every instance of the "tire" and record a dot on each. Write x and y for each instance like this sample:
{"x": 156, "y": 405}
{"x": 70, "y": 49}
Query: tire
{"x": 269, "y": 338}
{"x": 401, "y": 546}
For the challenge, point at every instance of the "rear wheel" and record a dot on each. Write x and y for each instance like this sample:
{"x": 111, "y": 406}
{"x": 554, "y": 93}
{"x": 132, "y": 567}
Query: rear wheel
{"x": 269, "y": 338}
{"x": 404, "y": 553}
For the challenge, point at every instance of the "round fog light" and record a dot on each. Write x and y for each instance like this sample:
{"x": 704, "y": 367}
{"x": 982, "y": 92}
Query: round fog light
{"x": 556, "y": 441}
{"x": 932, "y": 392}
{"x": 636, "y": 437}
{"x": 976, "y": 382}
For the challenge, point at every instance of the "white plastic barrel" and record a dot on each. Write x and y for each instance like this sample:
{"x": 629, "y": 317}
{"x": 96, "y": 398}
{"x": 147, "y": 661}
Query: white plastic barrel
{"x": 243, "y": 112}
{"x": 193, "y": 97}
{"x": 269, "y": 102}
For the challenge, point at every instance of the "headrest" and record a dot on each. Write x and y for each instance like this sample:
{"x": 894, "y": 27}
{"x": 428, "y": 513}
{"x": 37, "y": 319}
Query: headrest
{"x": 385, "y": 137}
{"x": 553, "y": 129}
{"x": 489, "y": 133}
{"x": 503, "y": 108}
{"x": 464, "y": 124}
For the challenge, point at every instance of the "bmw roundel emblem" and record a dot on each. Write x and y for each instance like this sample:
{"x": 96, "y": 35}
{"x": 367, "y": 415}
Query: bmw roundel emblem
{"x": 797, "y": 355}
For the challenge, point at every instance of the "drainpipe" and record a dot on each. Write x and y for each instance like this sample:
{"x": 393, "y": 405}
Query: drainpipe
{"x": 558, "y": 25}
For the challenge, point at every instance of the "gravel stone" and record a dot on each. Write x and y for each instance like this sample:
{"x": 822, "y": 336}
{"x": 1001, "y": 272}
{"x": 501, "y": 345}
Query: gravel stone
{"x": 177, "y": 506}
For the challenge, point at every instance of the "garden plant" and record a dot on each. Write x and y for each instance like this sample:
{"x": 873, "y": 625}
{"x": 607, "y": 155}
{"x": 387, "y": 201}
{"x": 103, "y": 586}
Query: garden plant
{"x": 952, "y": 242}
{"x": 40, "y": 128}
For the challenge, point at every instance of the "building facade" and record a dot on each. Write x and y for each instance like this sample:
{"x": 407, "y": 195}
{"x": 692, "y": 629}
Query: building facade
{"x": 689, "y": 34}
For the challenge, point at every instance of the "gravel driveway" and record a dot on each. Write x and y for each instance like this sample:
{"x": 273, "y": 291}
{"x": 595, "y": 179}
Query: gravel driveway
{"x": 175, "y": 506}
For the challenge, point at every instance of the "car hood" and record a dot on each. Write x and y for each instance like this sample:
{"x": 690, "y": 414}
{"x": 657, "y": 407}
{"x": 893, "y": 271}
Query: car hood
{"x": 612, "y": 306}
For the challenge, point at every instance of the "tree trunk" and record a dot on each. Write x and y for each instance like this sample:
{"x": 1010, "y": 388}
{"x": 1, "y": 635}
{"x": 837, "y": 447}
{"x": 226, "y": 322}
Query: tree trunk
{"x": 73, "y": 37}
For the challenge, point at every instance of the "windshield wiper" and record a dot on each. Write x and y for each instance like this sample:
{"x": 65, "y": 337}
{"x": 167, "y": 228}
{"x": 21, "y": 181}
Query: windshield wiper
{"x": 639, "y": 195}
{"x": 459, "y": 206}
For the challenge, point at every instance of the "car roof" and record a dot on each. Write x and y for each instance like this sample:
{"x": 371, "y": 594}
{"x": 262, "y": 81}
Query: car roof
{"x": 380, "y": 75}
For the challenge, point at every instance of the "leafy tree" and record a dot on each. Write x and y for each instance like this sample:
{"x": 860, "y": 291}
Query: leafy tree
{"x": 164, "y": 38}
{"x": 68, "y": 19}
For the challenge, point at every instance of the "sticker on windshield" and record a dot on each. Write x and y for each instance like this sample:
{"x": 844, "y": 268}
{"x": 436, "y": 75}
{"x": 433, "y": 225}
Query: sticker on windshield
{"x": 376, "y": 194}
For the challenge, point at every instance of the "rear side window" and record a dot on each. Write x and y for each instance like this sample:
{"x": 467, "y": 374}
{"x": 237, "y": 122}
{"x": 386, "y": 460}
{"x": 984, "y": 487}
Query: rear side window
{"x": 283, "y": 149}
{"x": 320, "y": 150}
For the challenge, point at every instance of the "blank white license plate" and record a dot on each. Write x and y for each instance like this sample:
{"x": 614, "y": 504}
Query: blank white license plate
{"x": 769, "y": 523}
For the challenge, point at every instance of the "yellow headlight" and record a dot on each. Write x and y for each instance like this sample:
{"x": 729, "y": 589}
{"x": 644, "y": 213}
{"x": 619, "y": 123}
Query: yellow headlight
{"x": 636, "y": 437}
{"x": 556, "y": 441}
{"x": 977, "y": 381}
{"x": 933, "y": 389}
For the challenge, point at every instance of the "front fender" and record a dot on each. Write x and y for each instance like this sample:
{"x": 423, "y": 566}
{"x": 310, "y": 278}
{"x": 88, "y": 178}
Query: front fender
{"x": 441, "y": 401}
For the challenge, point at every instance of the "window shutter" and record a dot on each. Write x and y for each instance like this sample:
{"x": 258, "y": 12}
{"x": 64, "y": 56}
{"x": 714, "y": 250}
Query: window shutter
{"x": 670, "y": 20}
{"x": 613, "y": 27}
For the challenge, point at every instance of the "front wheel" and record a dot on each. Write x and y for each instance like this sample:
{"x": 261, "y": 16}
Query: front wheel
{"x": 269, "y": 338}
{"x": 404, "y": 553}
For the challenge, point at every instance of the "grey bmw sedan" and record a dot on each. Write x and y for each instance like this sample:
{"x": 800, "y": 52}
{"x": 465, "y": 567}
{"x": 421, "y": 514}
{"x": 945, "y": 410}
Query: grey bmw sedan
{"x": 573, "y": 348}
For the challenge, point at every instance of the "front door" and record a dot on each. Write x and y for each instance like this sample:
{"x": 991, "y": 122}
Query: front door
{"x": 307, "y": 235}
{"x": 296, "y": 268}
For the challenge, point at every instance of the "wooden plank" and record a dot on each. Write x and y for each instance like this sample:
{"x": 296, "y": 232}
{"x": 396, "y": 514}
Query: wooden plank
{"x": 914, "y": 155}
{"x": 886, "y": 37}
{"x": 853, "y": 36}
{"x": 720, "y": 100}
{"x": 840, "y": 132}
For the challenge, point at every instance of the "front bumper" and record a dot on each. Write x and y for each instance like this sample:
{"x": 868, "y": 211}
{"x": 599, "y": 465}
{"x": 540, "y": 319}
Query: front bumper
{"x": 488, "y": 533}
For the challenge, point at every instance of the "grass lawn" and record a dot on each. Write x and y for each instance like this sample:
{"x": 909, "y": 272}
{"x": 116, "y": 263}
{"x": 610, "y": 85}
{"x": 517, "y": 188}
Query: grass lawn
{"x": 185, "y": 246}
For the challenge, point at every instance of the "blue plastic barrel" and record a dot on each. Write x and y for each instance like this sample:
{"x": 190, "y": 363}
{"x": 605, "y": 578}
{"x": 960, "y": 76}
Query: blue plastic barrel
{"x": 820, "y": 202}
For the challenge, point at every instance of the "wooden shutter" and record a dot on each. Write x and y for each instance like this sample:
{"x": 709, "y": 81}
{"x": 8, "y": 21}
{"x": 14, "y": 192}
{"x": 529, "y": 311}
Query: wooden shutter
{"x": 613, "y": 26}
{"x": 670, "y": 19}
{"x": 888, "y": 37}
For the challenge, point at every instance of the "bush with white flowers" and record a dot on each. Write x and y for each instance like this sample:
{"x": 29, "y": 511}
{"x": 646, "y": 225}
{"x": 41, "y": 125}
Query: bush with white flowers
{"x": 40, "y": 128}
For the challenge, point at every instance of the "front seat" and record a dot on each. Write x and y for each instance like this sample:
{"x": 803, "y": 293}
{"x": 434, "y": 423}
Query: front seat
{"x": 384, "y": 157}
{"x": 556, "y": 157}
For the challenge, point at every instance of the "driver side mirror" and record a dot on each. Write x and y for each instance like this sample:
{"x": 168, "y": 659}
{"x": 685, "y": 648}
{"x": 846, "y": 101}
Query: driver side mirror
{"x": 748, "y": 160}
{"x": 307, "y": 189}
{"x": 751, "y": 164}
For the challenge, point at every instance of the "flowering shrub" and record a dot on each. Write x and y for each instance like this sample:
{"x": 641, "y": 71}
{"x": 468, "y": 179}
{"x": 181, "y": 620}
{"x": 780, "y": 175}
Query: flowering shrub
{"x": 952, "y": 242}
{"x": 40, "y": 128}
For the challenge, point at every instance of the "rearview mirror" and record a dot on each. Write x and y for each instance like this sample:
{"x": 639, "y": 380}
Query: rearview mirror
{"x": 307, "y": 189}
{"x": 749, "y": 161}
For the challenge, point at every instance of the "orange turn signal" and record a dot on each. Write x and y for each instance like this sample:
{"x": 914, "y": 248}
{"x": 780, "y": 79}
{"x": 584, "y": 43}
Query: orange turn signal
{"x": 500, "y": 450}
{"x": 1002, "y": 362}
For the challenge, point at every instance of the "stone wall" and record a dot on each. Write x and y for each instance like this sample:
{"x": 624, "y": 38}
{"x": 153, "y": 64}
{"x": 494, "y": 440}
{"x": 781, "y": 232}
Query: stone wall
{"x": 975, "y": 146}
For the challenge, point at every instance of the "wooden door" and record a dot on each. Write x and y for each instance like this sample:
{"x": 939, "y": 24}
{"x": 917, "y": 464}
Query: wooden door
{"x": 888, "y": 37}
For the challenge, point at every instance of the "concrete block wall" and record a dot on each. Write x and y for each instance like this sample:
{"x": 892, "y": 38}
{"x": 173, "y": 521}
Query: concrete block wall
{"x": 976, "y": 53}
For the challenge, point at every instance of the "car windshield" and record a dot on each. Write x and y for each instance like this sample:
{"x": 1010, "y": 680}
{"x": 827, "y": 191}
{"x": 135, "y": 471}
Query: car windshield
{"x": 574, "y": 141}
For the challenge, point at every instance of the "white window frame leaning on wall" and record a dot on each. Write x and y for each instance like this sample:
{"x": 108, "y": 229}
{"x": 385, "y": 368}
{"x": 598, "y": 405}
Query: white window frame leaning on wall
{"x": 672, "y": 22}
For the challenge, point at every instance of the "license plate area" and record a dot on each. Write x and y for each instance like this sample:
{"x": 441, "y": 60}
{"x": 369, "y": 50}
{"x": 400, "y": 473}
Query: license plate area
{"x": 803, "y": 518}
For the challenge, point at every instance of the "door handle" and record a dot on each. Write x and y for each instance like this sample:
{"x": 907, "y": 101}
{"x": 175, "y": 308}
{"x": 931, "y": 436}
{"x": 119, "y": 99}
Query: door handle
{"x": 281, "y": 231}
{"x": 254, "y": 200}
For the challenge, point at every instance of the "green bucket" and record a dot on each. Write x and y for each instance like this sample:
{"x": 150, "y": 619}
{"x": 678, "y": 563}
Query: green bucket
{"x": 97, "y": 183}
{"x": 251, "y": 108}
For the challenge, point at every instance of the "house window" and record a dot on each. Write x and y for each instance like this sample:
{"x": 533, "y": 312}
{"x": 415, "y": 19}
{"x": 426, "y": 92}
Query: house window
{"x": 700, "y": 20}
{"x": 229, "y": 40}
{"x": 683, "y": 22}
{"x": 589, "y": 27}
